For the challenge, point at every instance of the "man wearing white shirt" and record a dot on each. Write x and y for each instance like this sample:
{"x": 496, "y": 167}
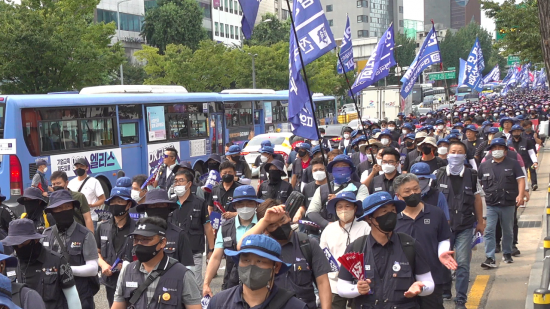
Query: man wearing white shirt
{"x": 346, "y": 208}
{"x": 89, "y": 186}
{"x": 167, "y": 173}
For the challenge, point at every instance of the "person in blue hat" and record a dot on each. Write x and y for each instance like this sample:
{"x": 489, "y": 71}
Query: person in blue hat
{"x": 241, "y": 166}
{"x": 347, "y": 209}
{"x": 504, "y": 184}
{"x": 390, "y": 272}
{"x": 443, "y": 148}
{"x": 275, "y": 156}
{"x": 506, "y": 124}
{"x": 5, "y": 294}
{"x": 386, "y": 138}
{"x": 267, "y": 155}
{"x": 440, "y": 129}
{"x": 275, "y": 187}
{"x": 260, "y": 264}
{"x": 113, "y": 245}
{"x": 357, "y": 156}
{"x": 307, "y": 176}
{"x": 39, "y": 179}
{"x": 345, "y": 142}
{"x": 395, "y": 132}
{"x": 406, "y": 147}
{"x": 341, "y": 169}
{"x": 400, "y": 119}
{"x": 300, "y": 164}
{"x": 472, "y": 142}
{"x": 526, "y": 148}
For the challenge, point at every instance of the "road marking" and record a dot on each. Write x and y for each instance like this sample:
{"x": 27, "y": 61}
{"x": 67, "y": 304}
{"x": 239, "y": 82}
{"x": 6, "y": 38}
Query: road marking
{"x": 476, "y": 293}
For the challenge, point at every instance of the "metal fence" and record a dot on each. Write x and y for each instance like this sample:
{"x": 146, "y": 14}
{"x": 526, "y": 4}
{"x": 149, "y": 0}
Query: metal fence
{"x": 541, "y": 296}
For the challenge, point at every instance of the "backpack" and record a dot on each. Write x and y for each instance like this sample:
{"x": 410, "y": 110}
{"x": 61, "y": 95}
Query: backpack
{"x": 407, "y": 243}
{"x": 16, "y": 295}
{"x": 305, "y": 247}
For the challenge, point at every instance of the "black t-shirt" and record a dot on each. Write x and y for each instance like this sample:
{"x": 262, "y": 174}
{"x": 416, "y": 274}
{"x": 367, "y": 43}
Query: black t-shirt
{"x": 456, "y": 182}
{"x": 6, "y": 216}
{"x": 432, "y": 163}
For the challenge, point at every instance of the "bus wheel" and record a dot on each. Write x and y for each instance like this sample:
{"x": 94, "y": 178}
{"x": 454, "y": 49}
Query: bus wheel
{"x": 105, "y": 186}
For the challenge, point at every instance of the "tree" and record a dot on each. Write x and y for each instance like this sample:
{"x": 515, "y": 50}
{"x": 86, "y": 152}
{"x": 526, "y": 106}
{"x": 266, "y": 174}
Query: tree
{"x": 174, "y": 22}
{"x": 134, "y": 74}
{"x": 53, "y": 45}
{"x": 520, "y": 27}
{"x": 544, "y": 16}
{"x": 270, "y": 31}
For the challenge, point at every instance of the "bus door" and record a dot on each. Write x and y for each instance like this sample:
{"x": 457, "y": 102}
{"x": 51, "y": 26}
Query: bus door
{"x": 131, "y": 139}
{"x": 217, "y": 133}
{"x": 259, "y": 121}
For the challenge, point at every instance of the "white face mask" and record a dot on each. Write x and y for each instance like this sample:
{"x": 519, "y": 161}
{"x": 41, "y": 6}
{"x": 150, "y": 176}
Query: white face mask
{"x": 45, "y": 169}
{"x": 429, "y": 116}
{"x": 385, "y": 141}
{"x": 135, "y": 195}
{"x": 314, "y": 142}
{"x": 322, "y": 135}
{"x": 497, "y": 154}
{"x": 346, "y": 135}
{"x": 405, "y": 131}
{"x": 246, "y": 213}
{"x": 391, "y": 128}
{"x": 180, "y": 190}
{"x": 345, "y": 215}
{"x": 442, "y": 150}
{"x": 319, "y": 175}
{"x": 263, "y": 159}
{"x": 440, "y": 127}
{"x": 388, "y": 168}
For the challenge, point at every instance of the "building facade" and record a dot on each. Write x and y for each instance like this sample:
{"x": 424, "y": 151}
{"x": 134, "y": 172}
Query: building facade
{"x": 465, "y": 11}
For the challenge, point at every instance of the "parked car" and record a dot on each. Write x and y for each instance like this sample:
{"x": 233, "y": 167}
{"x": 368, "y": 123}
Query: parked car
{"x": 333, "y": 132}
{"x": 354, "y": 124}
{"x": 280, "y": 142}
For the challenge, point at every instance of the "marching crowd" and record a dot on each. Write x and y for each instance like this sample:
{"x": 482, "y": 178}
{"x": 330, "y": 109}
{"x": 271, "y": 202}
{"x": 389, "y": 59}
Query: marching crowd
{"x": 387, "y": 219}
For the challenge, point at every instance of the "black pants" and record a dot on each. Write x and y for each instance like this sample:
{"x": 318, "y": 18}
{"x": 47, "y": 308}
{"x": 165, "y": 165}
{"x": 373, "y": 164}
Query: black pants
{"x": 498, "y": 232}
{"x": 87, "y": 303}
{"x": 110, "y": 295}
{"x": 533, "y": 173}
{"x": 433, "y": 301}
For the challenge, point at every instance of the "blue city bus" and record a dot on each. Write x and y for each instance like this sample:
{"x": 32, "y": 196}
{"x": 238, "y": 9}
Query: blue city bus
{"x": 250, "y": 112}
{"x": 112, "y": 130}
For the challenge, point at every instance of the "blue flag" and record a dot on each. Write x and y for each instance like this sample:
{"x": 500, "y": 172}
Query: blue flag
{"x": 540, "y": 81}
{"x": 474, "y": 66}
{"x": 427, "y": 55}
{"x": 493, "y": 76}
{"x": 346, "y": 52}
{"x": 508, "y": 75}
{"x": 525, "y": 78}
{"x": 379, "y": 64}
{"x": 250, "y": 12}
{"x": 461, "y": 72}
{"x": 514, "y": 77}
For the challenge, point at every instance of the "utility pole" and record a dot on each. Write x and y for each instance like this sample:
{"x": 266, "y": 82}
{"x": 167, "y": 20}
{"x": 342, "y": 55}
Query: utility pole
{"x": 118, "y": 36}
{"x": 253, "y": 70}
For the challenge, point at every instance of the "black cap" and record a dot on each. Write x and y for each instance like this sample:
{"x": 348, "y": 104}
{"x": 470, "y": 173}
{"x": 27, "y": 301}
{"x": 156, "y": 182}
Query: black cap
{"x": 148, "y": 230}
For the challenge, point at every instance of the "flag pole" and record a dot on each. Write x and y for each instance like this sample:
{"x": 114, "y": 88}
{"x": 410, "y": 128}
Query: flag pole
{"x": 291, "y": 53}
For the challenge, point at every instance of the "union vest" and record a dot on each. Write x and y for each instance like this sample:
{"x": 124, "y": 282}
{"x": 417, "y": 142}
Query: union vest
{"x": 324, "y": 199}
{"x": 380, "y": 185}
{"x": 521, "y": 148}
{"x": 229, "y": 237}
{"x": 502, "y": 191}
{"x": 461, "y": 204}
{"x": 282, "y": 191}
{"x": 192, "y": 224}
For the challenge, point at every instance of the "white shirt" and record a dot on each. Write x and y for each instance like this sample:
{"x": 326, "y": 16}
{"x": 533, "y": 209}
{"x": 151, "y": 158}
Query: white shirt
{"x": 92, "y": 190}
{"x": 169, "y": 170}
{"x": 334, "y": 237}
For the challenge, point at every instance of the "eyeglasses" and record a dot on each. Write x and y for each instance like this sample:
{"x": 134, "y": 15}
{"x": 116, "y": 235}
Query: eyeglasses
{"x": 389, "y": 162}
{"x": 167, "y": 156}
{"x": 180, "y": 181}
{"x": 143, "y": 241}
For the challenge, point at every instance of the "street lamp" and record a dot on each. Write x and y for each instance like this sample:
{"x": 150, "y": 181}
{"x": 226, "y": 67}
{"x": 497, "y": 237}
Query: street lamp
{"x": 253, "y": 70}
{"x": 118, "y": 36}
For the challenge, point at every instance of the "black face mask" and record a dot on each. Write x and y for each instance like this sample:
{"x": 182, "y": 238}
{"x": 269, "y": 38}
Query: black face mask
{"x": 413, "y": 200}
{"x": 28, "y": 252}
{"x": 282, "y": 232}
{"x": 426, "y": 150}
{"x": 80, "y": 172}
{"x": 275, "y": 176}
{"x": 63, "y": 219}
{"x": 302, "y": 153}
{"x": 162, "y": 212}
{"x": 516, "y": 136}
{"x": 146, "y": 253}
{"x": 57, "y": 188}
{"x": 227, "y": 178}
{"x": 409, "y": 144}
{"x": 236, "y": 158}
{"x": 213, "y": 166}
{"x": 387, "y": 222}
{"x": 34, "y": 209}
{"x": 118, "y": 210}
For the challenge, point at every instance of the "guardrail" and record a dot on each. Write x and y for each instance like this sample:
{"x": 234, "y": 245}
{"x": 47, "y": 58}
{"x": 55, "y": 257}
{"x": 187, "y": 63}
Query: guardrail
{"x": 541, "y": 296}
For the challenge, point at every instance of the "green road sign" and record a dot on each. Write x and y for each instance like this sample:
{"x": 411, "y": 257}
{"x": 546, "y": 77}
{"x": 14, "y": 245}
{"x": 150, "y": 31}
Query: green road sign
{"x": 513, "y": 59}
{"x": 451, "y": 69}
{"x": 441, "y": 75}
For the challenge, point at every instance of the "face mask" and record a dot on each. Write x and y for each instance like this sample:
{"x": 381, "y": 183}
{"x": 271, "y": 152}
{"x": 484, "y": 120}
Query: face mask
{"x": 135, "y": 196}
{"x": 440, "y": 127}
{"x": 246, "y": 213}
{"x": 426, "y": 150}
{"x": 146, "y": 253}
{"x": 456, "y": 162}
{"x": 302, "y": 153}
{"x": 516, "y": 136}
{"x": 442, "y": 150}
{"x": 322, "y": 135}
{"x": 282, "y": 232}
{"x": 263, "y": 159}
{"x": 345, "y": 215}
{"x": 385, "y": 141}
{"x": 162, "y": 212}
{"x": 413, "y": 200}
{"x": 388, "y": 168}
{"x": 429, "y": 116}
{"x": 387, "y": 222}
{"x": 341, "y": 175}
{"x": 180, "y": 190}
{"x": 391, "y": 128}
{"x": 405, "y": 131}
{"x": 63, "y": 219}
{"x": 28, "y": 252}
{"x": 45, "y": 170}
{"x": 80, "y": 172}
{"x": 319, "y": 175}
{"x": 497, "y": 154}
{"x": 275, "y": 176}
{"x": 409, "y": 144}
{"x": 227, "y": 178}
{"x": 346, "y": 135}
{"x": 254, "y": 277}
{"x": 57, "y": 188}
{"x": 314, "y": 142}
{"x": 33, "y": 209}
{"x": 213, "y": 166}
{"x": 236, "y": 158}
{"x": 117, "y": 210}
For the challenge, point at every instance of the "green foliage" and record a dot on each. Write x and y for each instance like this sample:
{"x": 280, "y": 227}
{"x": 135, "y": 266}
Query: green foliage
{"x": 520, "y": 26}
{"x": 270, "y": 31}
{"x": 174, "y": 22}
{"x": 134, "y": 74}
{"x": 53, "y": 45}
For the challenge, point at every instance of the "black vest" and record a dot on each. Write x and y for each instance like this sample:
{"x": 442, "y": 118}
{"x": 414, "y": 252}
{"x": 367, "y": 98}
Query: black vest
{"x": 324, "y": 199}
{"x": 277, "y": 192}
{"x": 171, "y": 283}
{"x": 431, "y": 197}
{"x": 191, "y": 224}
{"x": 521, "y": 148}
{"x": 461, "y": 204}
{"x": 239, "y": 169}
{"x": 108, "y": 252}
{"x": 229, "y": 237}
{"x": 298, "y": 172}
{"x": 502, "y": 191}
{"x": 225, "y": 198}
{"x": 380, "y": 185}
{"x": 308, "y": 191}
{"x": 172, "y": 245}
{"x": 73, "y": 245}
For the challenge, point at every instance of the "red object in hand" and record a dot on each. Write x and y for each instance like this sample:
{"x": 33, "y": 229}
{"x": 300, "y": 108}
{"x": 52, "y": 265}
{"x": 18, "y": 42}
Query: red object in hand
{"x": 354, "y": 263}
{"x": 219, "y": 206}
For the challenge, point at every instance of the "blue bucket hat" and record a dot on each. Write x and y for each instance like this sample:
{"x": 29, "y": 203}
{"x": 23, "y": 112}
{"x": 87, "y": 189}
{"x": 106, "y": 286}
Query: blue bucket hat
{"x": 374, "y": 131}
{"x": 497, "y": 142}
{"x": 439, "y": 121}
{"x": 517, "y": 127}
{"x": 261, "y": 245}
{"x": 452, "y": 135}
{"x": 376, "y": 200}
{"x": 409, "y": 126}
{"x": 422, "y": 170}
{"x": 233, "y": 150}
{"x": 504, "y": 119}
{"x": 5, "y": 293}
{"x": 317, "y": 149}
{"x": 305, "y": 146}
{"x": 60, "y": 197}
{"x": 19, "y": 231}
{"x": 345, "y": 196}
{"x": 11, "y": 261}
{"x": 359, "y": 139}
{"x": 385, "y": 132}
{"x": 470, "y": 127}
{"x": 267, "y": 149}
{"x": 32, "y": 193}
{"x": 410, "y": 136}
{"x": 245, "y": 193}
{"x": 341, "y": 158}
{"x": 443, "y": 140}
{"x": 458, "y": 124}
{"x": 493, "y": 130}
{"x": 123, "y": 190}
{"x": 455, "y": 131}
{"x": 266, "y": 143}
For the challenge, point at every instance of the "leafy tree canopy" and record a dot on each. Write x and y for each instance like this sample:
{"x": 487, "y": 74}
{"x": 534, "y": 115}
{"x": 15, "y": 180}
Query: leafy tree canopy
{"x": 270, "y": 31}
